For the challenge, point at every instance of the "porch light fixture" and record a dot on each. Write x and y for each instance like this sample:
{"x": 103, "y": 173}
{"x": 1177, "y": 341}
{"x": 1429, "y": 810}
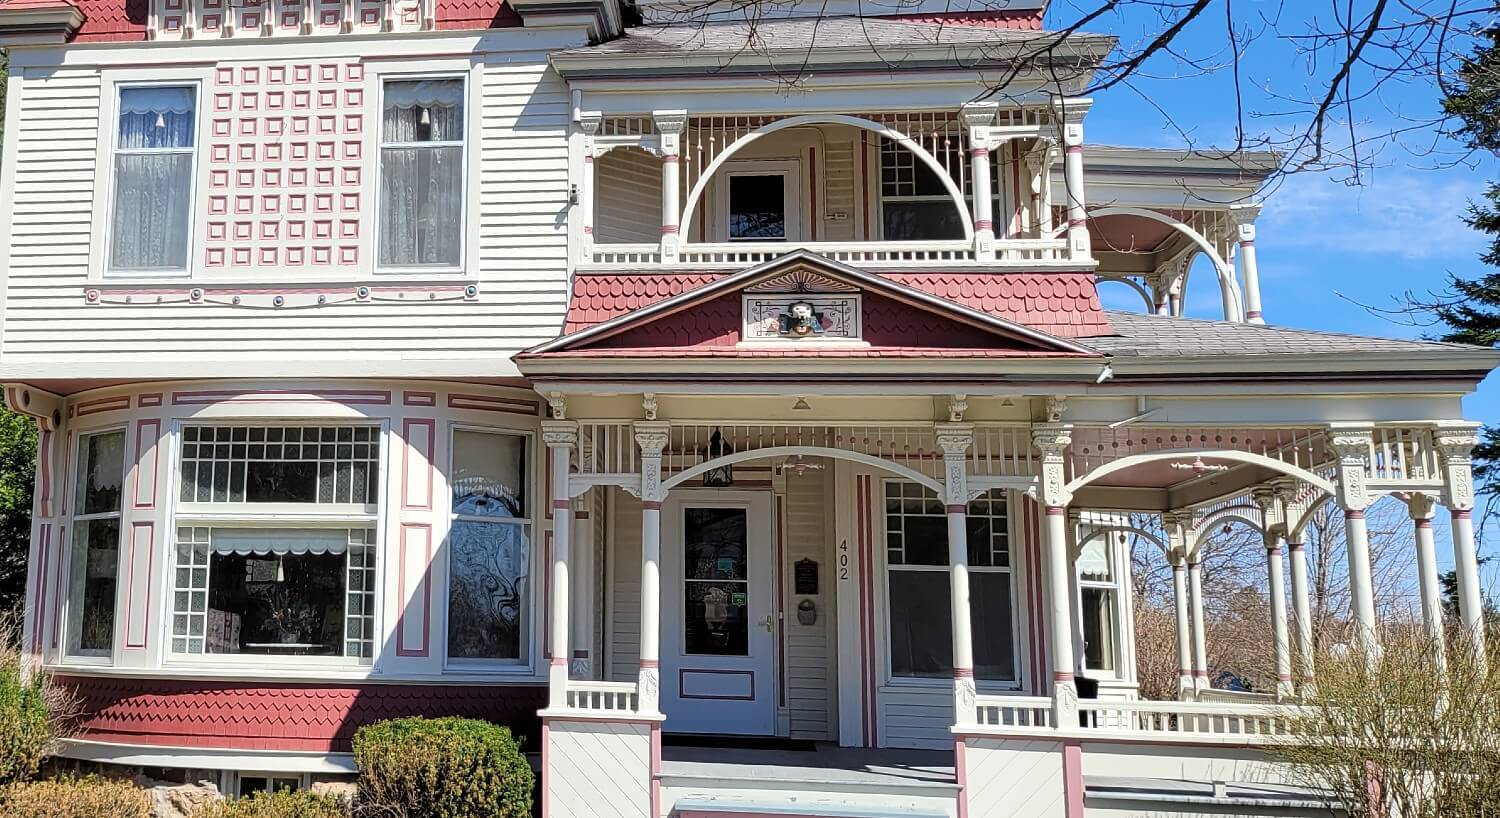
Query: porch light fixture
{"x": 718, "y": 477}
{"x": 801, "y": 405}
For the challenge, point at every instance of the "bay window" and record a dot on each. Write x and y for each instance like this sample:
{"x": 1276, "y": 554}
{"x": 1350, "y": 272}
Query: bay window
{"x": 921, "y": 619}
{"x": 276, "y": 541}
{"x": 1098, "y": 590}
{"x": 94, "y": 554}
{"x": 422, "y": 173}
{"x": 153, "y": 179}
{"x": 489, "y": 549}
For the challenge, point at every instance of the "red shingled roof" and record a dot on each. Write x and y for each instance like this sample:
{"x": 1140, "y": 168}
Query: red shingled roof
{"x": 125, "y": 20}
{"x": 285, "y": 717}
{"x": 112, "y": 20}
{"x": 474, "y": 14}
{"x": 1061, "y": 304}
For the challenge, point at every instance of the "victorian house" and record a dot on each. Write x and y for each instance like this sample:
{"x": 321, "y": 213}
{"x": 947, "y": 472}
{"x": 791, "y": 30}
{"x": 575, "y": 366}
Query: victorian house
{"x": 721, "y": 398}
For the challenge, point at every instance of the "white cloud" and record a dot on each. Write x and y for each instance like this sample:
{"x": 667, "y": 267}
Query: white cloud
{"x": 1408, "y": 214}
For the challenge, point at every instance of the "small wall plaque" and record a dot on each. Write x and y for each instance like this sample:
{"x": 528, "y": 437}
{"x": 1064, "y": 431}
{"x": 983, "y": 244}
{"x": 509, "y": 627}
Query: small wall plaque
{"x": 805, "y": 577}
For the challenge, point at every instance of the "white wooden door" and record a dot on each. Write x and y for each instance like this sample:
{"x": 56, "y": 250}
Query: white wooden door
{"x": 718, "y": 631}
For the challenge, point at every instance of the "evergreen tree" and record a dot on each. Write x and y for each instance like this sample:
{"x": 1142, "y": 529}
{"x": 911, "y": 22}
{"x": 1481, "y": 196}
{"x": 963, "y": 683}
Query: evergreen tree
{"x": 1471, "y": 311}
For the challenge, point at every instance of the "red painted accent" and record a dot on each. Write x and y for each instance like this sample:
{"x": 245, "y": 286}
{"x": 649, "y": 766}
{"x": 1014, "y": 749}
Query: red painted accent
{"x": 1072, "y": 779}
{"x": 44, "y": 456}
{"x": 580, "y": 515}
{"x": 140, "y": 436}
{"x": 562, "y": 505}
{"x": 1253, "y": 314}
{"x": 669, "y": 230}
{"x": 401, "y": 648}
{"x": 112, "y": 20}
{"x": 1457, "y": 513}
{"x": 546, "y": 770}
{"x": 1075, "y": 149}
{"x": 347, "y": 397}
{"x": 655, "y": 769}
{"x": 147, "y": 400}
{"x": 473, "y": 14}
{"x": 1285, "y": 677}
{"x": 961, "y": 775}
{"x": 867, "y": 605}
{"x": 1034, "y": 589}
{"x": 580, "y": 654}
{"x": 57, "y": 577}
{"x": 39, "y": 625}
{"x": 963, "y": 673}
{"x": 493, "y": 403}
{"x": 864, "y": 178}
{"x": 410, "y": 398}
{"x": 650, "y": 663}
{"x": 1422, "y": 522}
{"x": 1056, "y": 511}
{"x": 408, "y": 436}
{"x": 132, "y": 640}
{"x": 1017, "y": 20}
{"x": 558, "y": 661}
{"x": 651, "y": 505}
{"x": 1062, "y": 304}
{"x": 984, "y": 224}
{"x": 1060, "y": 676}
{"x": 1201, "y": 674}
{"x": 1354, "y": 514}
{"x": 1294, "y": 546}
{"x": 956, "y": 508}
{"x": 94, "y": 407}
{"x": 1249, "y": 243}
{"x": 288, "y": 717}
{"x": 979, "y": 151}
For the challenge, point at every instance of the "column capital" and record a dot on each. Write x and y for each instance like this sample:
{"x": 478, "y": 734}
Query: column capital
{"x": 651, "y": 436}
{"x": 1455, "y": 444}
{"x": 1071, "y": 110}
{"x": 1244, "y": 215}
{"x": 589, "y": 121}
{"x": 955, "y": 439}
{"x": 1351, "y": 444}
{"x": 560, "y": 434}
{"x": 1053, "y": 440}
{"x": 669, "y": 128}
{"x": 978, "y": 114}
{"x": 1421, "y": 506}
{"x": 1455, "y": 441}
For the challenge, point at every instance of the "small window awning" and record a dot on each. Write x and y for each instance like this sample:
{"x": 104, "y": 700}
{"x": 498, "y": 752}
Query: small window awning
{"x": 265, "y": 541}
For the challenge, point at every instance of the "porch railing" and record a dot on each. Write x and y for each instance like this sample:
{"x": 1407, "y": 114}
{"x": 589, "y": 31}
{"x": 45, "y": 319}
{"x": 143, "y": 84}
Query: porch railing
{"x": 737, "y": 255}
{"x": 1013, "y": 711}
{"x": 603, "y": 698}
{"x": 1188, "y": 720}
{"x": 1235, "y": 697}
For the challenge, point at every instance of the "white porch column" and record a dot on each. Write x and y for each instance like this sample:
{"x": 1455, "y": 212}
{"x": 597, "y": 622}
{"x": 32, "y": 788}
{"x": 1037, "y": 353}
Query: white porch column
{"x": 651, "y": 437}
{"x": 1244, "y": 216}
{"x": 1075, "y": 595}
{"x": 1071, "y": 113}
{"x": 669, "y": 127}
{"x": 1456, "y": 442}
{"x": 1302, "y": 610}
{"x": 560, "y": 436}
{"x": 1200, "y": 636}
{"x": 955, "y": 439}
{"x": 584, "y": 590}
{"x": 588, "y": 124}
{"x": 979, "y": 117}
{"x": 1176, "y": 529}
{"x": 1271, "y": 501}
{"x": 1352, "y": 445}
{"x": 1052, "y": 440}
{"x": 1422, "y": 507}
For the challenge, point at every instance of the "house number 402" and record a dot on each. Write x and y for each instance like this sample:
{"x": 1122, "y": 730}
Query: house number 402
{"x": 844, "y": 561}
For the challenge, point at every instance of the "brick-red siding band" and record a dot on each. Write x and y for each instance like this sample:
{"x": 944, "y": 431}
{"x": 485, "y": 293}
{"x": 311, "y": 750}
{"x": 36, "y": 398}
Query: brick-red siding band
{"x": 651, "y": 505}
{"x": 670, "y": 158}
{"x": 669, "y": 229}
{"x": 1059, "y": 676}
{"x": 984, "y": 224}
{"x": 1055, "y": 511}
{"x": 1462, "y": 513}
{"x": 956, "y": 509}
{"x": 1424, "y": 522}
{"x": 649, "y": 663}
{"x": 1354, "y": 514}
{"x": 963, "y": 673}
{"x": 1072, "y": 149}
{"x": 979, "y": 151}
{"x": 561, "y": 505}
{"x": 1253, "y": 314}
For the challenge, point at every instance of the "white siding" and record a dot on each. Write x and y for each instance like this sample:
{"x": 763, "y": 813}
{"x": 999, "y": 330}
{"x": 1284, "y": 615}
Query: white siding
{"x": 628, "y": 205}
{"x": 578, "y": 751}
{"x": 625, "y": 606}
{"x": 519, "y": 259}
{"x": 810, "y": 649}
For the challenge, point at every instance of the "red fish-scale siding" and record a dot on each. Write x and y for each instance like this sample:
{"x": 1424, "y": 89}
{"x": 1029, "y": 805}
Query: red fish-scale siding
{"x": 1061, "y": 304}
{"x": 474, "y": 14}
{"x": 284, "y": 717}
{"x": 112, "y": 20}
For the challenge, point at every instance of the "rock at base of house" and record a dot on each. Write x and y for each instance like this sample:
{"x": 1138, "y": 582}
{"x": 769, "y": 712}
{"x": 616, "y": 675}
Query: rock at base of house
{"x": 169, "y": 800}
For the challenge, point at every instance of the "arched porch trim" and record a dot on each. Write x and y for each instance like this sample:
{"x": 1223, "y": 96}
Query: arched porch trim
{"x": 790, "y": 451}
{"x": 1299, "y": 530}
{"x": 1234, "y": 309}
{"x": 829, "y": 119}
{"x": 1223, "y": 516}
{"x": 1105, "y": 529}
{"x": 1130, "y": 461}
{"x": 1140, "y": 289}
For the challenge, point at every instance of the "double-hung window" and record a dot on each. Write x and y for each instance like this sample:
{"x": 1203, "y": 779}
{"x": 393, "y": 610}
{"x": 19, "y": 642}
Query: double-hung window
{"x": 276, "y": 536}
{"x": 1098, "y": 590}
{"x": 153, "y": 179}
{"x": 422, "y": 173}
{"x": 489, "y": 549}
{"x": 921, "y": 618}
{"x": 914, "y": 201}
{"x": 93, "y": 563}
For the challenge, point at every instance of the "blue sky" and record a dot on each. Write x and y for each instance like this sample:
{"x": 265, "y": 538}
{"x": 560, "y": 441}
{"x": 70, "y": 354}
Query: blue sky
{"x": 1328, "y": 249}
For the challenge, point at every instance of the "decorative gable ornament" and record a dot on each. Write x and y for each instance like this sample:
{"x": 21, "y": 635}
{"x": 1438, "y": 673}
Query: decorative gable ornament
{"x": 800, "y": 320}
{"x": 801, "y": 305}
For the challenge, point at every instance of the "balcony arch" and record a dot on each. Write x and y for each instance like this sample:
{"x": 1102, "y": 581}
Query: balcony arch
{"x": 1228, "y": 286}
{"x": 897, "y": 469}
{"x": 872, "y": 126}
{"x": 1251, "y": 458}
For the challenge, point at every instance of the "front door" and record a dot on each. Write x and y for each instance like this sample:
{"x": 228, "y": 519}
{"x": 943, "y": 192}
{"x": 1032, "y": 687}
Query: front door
{"x": 718, "y": 614}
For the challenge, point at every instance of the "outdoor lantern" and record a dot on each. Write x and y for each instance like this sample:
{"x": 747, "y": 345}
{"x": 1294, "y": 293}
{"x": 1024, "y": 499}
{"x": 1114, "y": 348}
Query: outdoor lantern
{"x": 717, "y": 477}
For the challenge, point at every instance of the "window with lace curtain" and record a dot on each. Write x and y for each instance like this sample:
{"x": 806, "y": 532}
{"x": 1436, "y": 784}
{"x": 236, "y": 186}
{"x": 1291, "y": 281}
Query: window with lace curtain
{"x": 421, "y": 173}
{"x": 153, "y": 179}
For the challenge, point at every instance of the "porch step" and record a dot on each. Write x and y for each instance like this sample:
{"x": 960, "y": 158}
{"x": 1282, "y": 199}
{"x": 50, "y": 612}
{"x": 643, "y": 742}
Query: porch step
{"x": 694, "y": 808}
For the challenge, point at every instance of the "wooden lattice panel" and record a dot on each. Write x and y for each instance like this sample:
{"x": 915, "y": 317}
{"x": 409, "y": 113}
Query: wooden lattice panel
{"x": 286, "y": 159}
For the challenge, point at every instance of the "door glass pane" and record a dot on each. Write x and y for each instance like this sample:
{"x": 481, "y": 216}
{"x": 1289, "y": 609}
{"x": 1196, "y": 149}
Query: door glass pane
{"x": 757, "y": 207}
{"x": 716, "y": 592}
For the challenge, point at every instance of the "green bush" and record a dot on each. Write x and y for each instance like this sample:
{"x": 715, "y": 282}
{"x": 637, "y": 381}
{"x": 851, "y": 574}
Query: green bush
{"x": 442, "y": 768}
{"x": 284, "y": 804}
{"x": 27, "y": 726}
{"x": 91, "y": 797}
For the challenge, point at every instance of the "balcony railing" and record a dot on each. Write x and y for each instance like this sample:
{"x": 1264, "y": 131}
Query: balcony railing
{"x": 741, "y": 254}
{"x": 1109, "y": 719}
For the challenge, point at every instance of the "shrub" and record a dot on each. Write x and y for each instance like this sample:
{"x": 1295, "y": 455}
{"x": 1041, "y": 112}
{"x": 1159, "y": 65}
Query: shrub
{"x": 91, "y": 797}
{"x": 442, "y": 768}
{"x": 32, "y": 711}
{"x": 284, "y": 804}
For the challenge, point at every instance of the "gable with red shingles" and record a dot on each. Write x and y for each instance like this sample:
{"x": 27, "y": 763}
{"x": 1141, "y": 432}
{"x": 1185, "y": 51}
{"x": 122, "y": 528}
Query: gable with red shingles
{"x": 125, "y": 20}
{"x": 1060, "y": 304}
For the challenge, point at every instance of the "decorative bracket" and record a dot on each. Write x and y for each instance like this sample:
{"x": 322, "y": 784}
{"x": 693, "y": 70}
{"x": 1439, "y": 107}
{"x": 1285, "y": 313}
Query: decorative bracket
{"x": 1455, "y": 444}
{"x": 1053, "y": 440}
{"x": 1351, "y": 445}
